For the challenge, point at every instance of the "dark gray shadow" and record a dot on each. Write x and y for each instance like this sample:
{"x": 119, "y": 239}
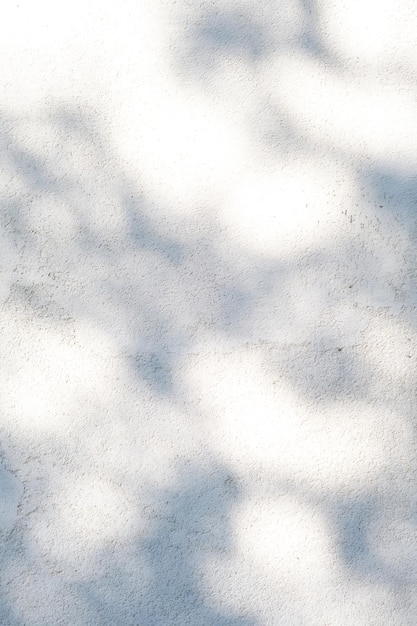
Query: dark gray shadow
{"x": 187, "y": 524}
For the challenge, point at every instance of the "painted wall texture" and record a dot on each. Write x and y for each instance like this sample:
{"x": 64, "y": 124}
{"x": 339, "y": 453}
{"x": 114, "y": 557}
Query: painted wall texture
{"x": 208, "y": 323}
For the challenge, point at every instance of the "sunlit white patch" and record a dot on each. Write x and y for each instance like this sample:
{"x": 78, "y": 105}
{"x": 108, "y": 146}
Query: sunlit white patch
{"x": 390, "y": 346}
{"x": 286, "y": 210}
{"x": 54, "y": 375}
{"x": 371, "y": 31}
{"x": 88, "y": 517}
{"x": 286, "y": 536}
{"x": 360, "y": 119}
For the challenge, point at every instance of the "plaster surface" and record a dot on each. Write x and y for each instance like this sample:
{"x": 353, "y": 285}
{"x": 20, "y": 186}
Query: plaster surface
{"x": 208, "y": 323}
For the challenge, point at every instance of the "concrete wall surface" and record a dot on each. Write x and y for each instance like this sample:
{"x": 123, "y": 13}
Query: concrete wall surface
{"x": 208, "y": 323}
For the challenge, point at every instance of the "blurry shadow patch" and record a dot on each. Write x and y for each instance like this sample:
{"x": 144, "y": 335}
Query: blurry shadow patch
{"x": 227, "y": 34}
{"x": 236, "y": 307}
{"x": 311, "y": 39}
{"x": 187, "y": 524}
{"x": 31, "y": 168}
{"x": 275, "y": 132}
{"x": 145, "y": 235}
{"x": 77, "y": 123}
{"x": 395, "y": 193}
{"x": 321, "y": 374}
{"x": 156, "y": 370}
{"x": 251, "y": 35}
{"x": 352, "y": 520}
{"x": 232, "y": 32}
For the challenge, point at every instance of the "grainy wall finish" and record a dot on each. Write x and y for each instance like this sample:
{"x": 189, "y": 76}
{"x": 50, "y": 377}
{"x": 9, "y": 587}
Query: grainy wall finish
{"x": 208, "y": 323}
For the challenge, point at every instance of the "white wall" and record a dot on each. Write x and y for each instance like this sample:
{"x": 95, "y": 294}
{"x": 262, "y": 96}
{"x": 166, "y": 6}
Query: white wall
{"x": 208, "y": 313}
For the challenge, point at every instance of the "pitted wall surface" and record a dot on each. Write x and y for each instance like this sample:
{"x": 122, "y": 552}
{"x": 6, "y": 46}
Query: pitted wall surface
{"x": 208, "y": 322}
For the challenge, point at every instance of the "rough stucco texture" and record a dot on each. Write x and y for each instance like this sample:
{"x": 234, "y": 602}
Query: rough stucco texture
{"x": 208, "y": 323}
